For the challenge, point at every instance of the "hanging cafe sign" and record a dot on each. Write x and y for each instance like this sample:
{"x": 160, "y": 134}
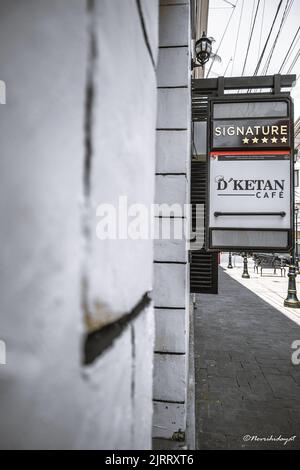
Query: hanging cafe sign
{"x": 250, "y": 183}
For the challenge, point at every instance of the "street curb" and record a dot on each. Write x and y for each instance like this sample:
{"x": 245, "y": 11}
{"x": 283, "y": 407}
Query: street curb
{"x": 191, "y": 426}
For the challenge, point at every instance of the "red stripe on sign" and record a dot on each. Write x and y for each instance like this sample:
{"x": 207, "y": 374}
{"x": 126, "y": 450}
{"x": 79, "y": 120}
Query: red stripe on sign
{"x": 253, "y": 152}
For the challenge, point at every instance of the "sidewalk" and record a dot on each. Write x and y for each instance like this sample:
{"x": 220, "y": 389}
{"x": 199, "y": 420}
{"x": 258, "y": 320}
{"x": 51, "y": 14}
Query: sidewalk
{"x": 269, "y": 287}
{"x": 246, "y": 384}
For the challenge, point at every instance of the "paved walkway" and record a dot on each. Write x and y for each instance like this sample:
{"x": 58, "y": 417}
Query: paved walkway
{"x": 246, "y": 384}
{"x": 271, "y": 288}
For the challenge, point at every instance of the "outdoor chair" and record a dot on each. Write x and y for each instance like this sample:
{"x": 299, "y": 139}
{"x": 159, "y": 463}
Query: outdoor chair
{"x": 271, "y": 263}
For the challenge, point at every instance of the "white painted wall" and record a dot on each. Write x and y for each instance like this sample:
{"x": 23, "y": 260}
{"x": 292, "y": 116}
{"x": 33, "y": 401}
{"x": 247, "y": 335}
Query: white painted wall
{"x": 47, "y": 398}
{"x": 171, "y": 268}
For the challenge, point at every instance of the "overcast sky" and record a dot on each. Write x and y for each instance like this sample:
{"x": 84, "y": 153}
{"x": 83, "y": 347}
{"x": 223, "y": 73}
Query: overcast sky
{"x": 234, "y": 47}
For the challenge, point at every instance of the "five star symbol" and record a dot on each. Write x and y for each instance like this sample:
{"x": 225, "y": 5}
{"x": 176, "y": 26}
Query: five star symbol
{"x": 264, "y": 140}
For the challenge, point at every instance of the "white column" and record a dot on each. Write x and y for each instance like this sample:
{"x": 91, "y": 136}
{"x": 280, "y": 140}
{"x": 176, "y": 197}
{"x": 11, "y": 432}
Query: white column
{"x": 172, "y": 186}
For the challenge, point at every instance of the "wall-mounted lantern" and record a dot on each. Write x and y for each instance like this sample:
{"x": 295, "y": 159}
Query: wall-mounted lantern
{"x": 203, "y": 51}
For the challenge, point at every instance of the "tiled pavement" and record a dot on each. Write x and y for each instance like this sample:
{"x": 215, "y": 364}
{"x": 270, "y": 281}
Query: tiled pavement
{"x": 246, "y": 384}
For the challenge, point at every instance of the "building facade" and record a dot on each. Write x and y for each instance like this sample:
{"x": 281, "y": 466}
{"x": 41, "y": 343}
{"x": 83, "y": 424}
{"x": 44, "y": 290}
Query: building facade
{"x": 96, "y": 331}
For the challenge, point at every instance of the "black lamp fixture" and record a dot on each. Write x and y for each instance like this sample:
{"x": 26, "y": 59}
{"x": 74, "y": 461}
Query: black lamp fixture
{"x": 203, "y": 51}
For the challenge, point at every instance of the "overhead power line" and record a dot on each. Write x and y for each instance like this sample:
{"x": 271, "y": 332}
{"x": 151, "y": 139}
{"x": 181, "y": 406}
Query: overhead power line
{"x": 261, "y": 28}
{"x": 267, "y": 40}
{"x": 290, "y": 50}
{"x": 230, "y": 60}
{"x": 294, "y": 61}
{"x": 225, "y": 30}
{"x": 237, "y": 37}
{"x": 229, "y": 3}
{"x": 286, "y": 12}
{"x": 250, "y": 38}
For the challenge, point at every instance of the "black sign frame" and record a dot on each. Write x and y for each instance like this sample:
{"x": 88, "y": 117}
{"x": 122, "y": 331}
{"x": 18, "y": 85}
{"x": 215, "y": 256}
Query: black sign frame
{"x": 271, "y": 98}
{"x": 289, "y": 149}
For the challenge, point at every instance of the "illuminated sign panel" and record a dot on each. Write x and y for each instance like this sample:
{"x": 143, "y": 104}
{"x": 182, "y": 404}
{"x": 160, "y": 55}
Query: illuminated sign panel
{"x": 247, "y": 134}
{"x": 250, "y": 185}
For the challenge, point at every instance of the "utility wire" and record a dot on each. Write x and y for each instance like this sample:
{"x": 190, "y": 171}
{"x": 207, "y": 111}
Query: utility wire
{"x": 251, "y": 34}
{"x": 289, "y": 52}
{"x": 229, "y": 3}
{"x": 294, "y": 61}
{"x": 225, "y": 30}
{"x": 268, "y": 60}
{"x": 251, "y": 21}
{"x": 294, "y": 46}
{"x": 230, "y": 60}
{"x": 267, "y": 40}
{"x": 237, "y": 37}
{"x": 260, "y": 38}
{"x": 261, "y": 28}
{"x": 286, "y": 12}
{"x": 252, "y": 14}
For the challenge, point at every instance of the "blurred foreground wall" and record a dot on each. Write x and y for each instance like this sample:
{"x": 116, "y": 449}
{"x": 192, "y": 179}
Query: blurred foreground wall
{"x": 78, "y": 129}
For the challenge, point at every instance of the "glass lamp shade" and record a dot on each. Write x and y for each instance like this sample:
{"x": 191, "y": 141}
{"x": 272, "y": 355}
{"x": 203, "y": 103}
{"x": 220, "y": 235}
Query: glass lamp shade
{"x": 203, "y": 49}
